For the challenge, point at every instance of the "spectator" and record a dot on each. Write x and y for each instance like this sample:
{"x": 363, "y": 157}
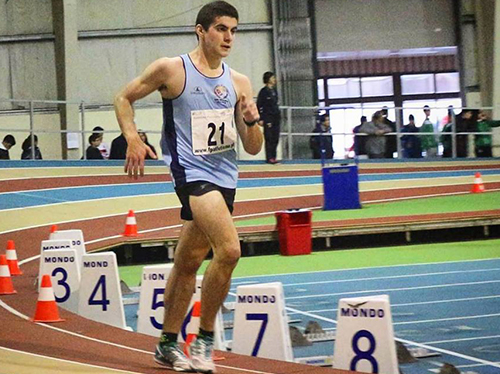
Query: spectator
{"x": 267, "y": 102}
{"x": 376, "y": 129}
{"x": 428, "y": 142}
{"x": 104, "y": 146}
{"x": 359, "y": 141}
{"x": 445, "y": 137}
{"x": 411, "y": 143}
{"x": 118, "y": 148}
{"x": 93, "y": 152}
{"x": 322, "y": 144}
{"x": 27, "y": 151}
{"x": 483, "y": 142}
{"x": 391, "y": 141}
{"x": 144, "y": 138}
{"x": 8, "y": 142}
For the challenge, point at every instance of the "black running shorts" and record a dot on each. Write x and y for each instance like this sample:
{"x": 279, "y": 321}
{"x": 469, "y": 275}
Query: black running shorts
{"x": 200, "y": 188}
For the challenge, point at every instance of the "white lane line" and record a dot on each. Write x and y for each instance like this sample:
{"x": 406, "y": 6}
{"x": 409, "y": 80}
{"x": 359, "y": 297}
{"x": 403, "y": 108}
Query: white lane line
{"x": 392, "y": 277}
{"x": 447, "y": 319}
{"x": 392, "y": 289}
{"x": 420, "y": 303}
{"x": 462, "y": 340}
{"x": 421, "y": 345}
{"x": 19, "y": 314}
{"x": 78, "y": 365}
{"x": 493, "y": 259}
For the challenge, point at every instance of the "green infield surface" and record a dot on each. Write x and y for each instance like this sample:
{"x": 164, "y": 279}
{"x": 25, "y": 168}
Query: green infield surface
{"x": 432, "y": 205}
{"x": 349, "y": 259}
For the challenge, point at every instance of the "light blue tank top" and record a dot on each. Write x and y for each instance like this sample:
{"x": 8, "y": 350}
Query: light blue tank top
{"x": 199, "y": 133}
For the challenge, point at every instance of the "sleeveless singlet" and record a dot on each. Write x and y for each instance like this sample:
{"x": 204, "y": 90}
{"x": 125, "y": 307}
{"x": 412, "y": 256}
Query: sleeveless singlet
{"x": 199, "y": 131}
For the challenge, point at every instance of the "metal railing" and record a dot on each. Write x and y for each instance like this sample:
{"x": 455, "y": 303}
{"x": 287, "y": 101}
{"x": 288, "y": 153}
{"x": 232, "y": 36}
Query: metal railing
{"x": 295, "y": 121}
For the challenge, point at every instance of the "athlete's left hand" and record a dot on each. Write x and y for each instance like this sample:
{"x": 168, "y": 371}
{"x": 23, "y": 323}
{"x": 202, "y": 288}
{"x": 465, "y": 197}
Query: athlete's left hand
{"x": 248, "y": 109}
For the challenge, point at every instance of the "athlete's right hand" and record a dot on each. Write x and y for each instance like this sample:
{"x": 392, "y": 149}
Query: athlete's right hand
{"x": 136, "y": 153}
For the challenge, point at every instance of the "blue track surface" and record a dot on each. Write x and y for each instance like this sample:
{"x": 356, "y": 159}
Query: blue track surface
{"x": 12, "y": 200}
{"x": 452, "y": 306}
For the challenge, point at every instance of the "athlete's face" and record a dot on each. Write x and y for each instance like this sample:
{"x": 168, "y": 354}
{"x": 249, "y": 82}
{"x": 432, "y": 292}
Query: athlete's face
{"x": 220, "y": 35}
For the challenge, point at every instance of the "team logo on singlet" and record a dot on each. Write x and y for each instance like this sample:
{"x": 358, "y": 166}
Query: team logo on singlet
{"x": 222, "y": 93}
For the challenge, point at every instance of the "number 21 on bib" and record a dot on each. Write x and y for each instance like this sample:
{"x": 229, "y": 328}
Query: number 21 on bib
{"x": 365, "y": 336}
{"x": 213, "y": 131}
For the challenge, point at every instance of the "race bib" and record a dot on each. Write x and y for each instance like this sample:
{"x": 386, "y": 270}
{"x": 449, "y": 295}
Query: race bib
{"x": 212, "y": 131}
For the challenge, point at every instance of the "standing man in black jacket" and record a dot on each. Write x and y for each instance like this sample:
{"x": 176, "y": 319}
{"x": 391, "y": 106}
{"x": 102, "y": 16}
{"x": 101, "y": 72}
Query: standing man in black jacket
{"x": 267, "y": 102}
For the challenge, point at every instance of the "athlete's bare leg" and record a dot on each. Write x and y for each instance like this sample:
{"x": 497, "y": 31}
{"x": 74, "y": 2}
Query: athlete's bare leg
{"x": 191, "y": 250}
{"x": 212, "y": 216}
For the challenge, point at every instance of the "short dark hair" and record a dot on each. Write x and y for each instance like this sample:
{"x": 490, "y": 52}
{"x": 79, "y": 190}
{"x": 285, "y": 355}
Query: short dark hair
{"x": 94, "y": 137}
{"x": 267, "y": 75}
{"x": 10, "y": 139}
{"x": 411, "y": 118}
{"x": 363, "y": 119}
{"x": 209, "y": 12}
{"x": 426, "y": 107}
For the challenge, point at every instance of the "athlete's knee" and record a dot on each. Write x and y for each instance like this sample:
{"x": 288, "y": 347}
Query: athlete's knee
{"x": 229, "y": 255}
{"x": 188, "y": 263}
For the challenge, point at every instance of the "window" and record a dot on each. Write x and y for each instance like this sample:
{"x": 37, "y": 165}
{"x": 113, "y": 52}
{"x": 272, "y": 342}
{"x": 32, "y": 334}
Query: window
{"x": 339, "y": 88}
{"x": 377, "y": 86}
{"x": 447, "y": 82}
{"x": 321, "y": 89}
{"x": 417, "y": 84}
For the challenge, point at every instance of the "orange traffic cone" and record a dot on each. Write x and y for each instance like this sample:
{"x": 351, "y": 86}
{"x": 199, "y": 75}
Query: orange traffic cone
{"x": 195, "y": 326}
{"x": 12, "y": 259}
{"x": 6, "y": 287}
{"x": 130, "y": 225}
{"x": 53, "y": 229}
{"x": 46, "y": 307}
{"x": 478, "y": 185}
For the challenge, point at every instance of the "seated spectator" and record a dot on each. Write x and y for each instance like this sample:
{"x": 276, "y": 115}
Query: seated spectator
{"x": 27, "y": 149}
{"x": 376, "y": 129}
{"x": 483, "y": 142}
{"x": 118, "y": 148}
{"x": 8, "y": 142}
{"x": 144, "y": 138}
{"x": 411, "y": 143}
{"x": 103, "y": 147}
{"x": 93, "y": 152}
{"x": 359, "y": 141}
{"x": 321, "y": 145}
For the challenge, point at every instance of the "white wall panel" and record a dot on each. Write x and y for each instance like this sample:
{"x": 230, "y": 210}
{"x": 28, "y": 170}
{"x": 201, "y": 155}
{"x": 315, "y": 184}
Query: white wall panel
{"x": 4, "y": 76}
{"x": 25, "y": 17}
{"x": 115, "y": 14}
{"x": 33, "y": 71}
{"x": 358, "y": 25}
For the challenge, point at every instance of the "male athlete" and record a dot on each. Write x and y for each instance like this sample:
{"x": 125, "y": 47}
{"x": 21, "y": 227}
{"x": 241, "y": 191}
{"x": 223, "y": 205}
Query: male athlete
{"x": 204, "y": 104}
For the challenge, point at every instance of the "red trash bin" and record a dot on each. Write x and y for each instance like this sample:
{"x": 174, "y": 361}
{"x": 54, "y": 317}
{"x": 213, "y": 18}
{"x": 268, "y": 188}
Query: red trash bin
{"x": 295, "y": 232}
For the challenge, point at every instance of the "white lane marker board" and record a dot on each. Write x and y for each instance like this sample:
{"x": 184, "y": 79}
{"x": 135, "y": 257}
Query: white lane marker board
{"x": 151, "y": 306}
{"x": 64, "y": 270}
{"x": 76, "y": 237}
{"x": 100, "y": 296}
{"x": 260, "y": 322}
{"x": 365, "y": 336}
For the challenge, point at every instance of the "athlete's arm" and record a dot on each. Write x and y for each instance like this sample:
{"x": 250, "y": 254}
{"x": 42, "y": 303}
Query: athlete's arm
{"x": 246, "y": 111}
{"x": 150, "y": 80}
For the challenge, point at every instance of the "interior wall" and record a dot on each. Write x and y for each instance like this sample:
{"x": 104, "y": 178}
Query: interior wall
{"x": 107, "y": 63}
{"x": 359, "y": 25}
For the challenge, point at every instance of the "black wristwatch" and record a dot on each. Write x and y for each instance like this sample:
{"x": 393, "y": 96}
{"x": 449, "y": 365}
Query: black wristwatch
{"x": 250, "y": 124}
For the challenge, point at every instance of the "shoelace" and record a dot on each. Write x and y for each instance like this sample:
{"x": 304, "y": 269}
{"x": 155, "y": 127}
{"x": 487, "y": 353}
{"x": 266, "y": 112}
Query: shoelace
{"x": 203, "y": 347}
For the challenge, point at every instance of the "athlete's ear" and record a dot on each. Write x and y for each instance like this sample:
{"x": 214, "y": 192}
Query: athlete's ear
{"x": 199, "y": 30}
